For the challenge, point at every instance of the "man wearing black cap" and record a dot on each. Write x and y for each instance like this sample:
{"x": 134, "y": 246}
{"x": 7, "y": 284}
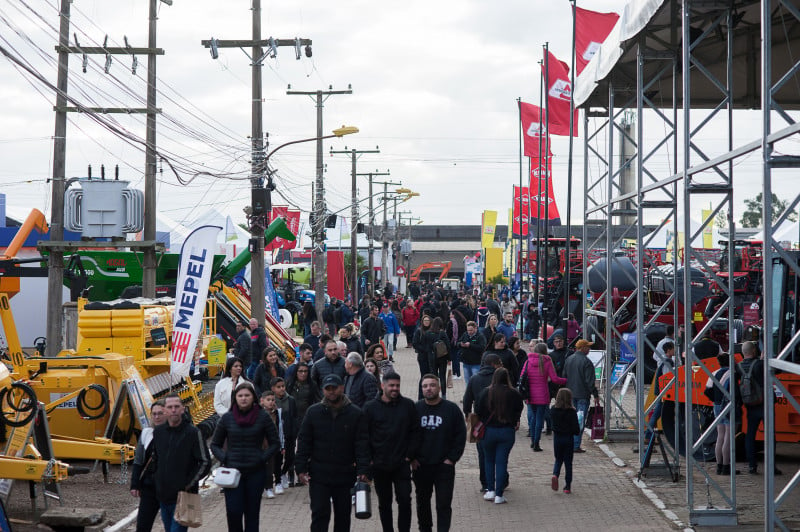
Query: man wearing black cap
{"x": 332, "y": 450}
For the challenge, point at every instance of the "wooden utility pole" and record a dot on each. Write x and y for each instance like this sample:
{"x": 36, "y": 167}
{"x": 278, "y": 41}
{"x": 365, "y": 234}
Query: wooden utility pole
{"x": 371, "y": 275}
{"x": 318, "y": 224}
{"x": 56, "y": 245}
{"x": 261, "y": 200}
{"x": 149, "y": 259}
{"x": 55, "y": 278}
{"x": 354, "y": 153}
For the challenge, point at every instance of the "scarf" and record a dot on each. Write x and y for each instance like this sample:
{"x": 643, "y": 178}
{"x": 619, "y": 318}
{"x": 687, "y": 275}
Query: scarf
{"x": 245, "y": 419}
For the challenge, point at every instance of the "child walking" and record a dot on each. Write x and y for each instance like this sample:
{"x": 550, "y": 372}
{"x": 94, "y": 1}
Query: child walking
{"x": 565, "y": 426}
{"x": 273, "y": 483}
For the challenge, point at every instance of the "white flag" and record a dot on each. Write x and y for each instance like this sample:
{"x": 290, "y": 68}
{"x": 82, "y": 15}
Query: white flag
{"x": 194, "y": 274}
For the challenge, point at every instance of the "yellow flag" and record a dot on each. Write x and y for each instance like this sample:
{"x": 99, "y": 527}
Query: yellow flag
{"x": 708, "y": 236}
{"x": 488, "y": 223}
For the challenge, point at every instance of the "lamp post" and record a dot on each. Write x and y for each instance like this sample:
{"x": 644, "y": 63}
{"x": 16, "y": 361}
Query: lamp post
{"x": 257, "y": 226}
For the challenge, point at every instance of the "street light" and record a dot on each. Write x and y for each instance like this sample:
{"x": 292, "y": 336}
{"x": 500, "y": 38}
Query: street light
{"x": 260, "y": 207}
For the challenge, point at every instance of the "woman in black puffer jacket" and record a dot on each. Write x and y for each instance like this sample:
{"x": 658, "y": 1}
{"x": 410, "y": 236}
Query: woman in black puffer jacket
{"x": 238, "y": 443}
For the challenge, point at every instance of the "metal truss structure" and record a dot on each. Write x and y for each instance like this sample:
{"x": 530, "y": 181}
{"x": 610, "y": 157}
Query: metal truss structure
{"x": 702, "y": 58}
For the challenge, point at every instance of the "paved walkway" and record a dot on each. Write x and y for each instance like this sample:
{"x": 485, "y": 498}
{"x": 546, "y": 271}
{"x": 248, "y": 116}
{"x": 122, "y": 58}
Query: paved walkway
{"x": 603, "y": 497}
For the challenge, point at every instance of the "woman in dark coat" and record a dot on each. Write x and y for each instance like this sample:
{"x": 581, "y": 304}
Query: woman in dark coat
{"x": 238, "y": 442}
{"x": 422, "y": 343}
{"x": 437, "y": 363}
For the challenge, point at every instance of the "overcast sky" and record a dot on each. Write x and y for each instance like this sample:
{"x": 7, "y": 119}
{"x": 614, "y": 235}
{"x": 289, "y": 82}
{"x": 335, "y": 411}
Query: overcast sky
{"x": 434, "y": 86}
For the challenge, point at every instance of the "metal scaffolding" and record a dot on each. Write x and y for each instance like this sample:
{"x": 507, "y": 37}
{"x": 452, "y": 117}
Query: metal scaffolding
{"x": 699, "y": 56}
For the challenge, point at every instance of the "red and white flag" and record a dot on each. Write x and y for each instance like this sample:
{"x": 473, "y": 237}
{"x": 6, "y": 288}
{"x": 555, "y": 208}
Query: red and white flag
{"x": 292, "y": 223}
{"x": 559, "y": 94}
{"x": 533, "y": 134}
{"x": 521, "y": 211}
{"x": 543, "y": 203}
{"x": 591, "y": 29}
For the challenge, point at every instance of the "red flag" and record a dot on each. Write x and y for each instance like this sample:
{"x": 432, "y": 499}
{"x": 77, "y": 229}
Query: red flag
{"x": 533, "y": 135}
{"x": 521, "y": 218}
{"x": 292, "y": 222}
{"x": 591, "y": 29}
{"x": 559, "y": 93}
{"x": 543, "y": 203}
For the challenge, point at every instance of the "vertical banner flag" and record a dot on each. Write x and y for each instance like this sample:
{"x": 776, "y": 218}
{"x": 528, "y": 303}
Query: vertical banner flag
{"x": 559, "y": 94}
{"x": 521, "y": 216}
{"x": 270, "y": 297}
{"x": 533, "y": 136}
{"x": 708, "y": 230}
{"x": 488, "y": 222}
{"x": 194, "y": 274}
{"x": 292, "y": 223}
{"x": 542, "y": 197}
{"x": 591, "y": 29}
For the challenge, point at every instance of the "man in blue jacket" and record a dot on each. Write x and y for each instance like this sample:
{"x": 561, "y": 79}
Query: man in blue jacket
{"x": 392, "y": 329}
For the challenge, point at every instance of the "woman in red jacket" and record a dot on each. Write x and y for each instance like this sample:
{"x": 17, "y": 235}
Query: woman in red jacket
{"x": 410, "y": 316}
{"x": 539, "y": 370}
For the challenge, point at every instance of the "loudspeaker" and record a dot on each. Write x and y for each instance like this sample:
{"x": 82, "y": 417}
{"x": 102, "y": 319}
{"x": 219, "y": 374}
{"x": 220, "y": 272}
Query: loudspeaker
{"x": 359, "y": 228}
{"x": 330, "y": 221}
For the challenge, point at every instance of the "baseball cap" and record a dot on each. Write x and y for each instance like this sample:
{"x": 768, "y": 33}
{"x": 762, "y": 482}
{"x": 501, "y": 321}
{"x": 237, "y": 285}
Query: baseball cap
{"x": 332, "y": 380}
{"x": 583, "y": 343}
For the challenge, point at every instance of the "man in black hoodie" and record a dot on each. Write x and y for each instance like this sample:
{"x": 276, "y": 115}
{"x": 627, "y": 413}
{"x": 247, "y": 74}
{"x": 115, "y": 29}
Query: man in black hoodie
{"x": 332, "y": 448}
{"x": 180, "y": 458}
{"x": 444, "y": 436}
{"x": 394, "y": 436}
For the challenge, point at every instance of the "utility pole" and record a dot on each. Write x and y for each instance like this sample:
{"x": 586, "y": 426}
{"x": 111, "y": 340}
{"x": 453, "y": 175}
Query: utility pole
{"x": 149, "y": 259}
{"x": 261, "y": 199}
{"x": 354, "y": 154}
{"x": 56, "y": 246}
{"x": 384, "y": 240}
{"x": 55, "y": 263}
{"x": 371, "y": 275}
{"x": 318, "y": 224}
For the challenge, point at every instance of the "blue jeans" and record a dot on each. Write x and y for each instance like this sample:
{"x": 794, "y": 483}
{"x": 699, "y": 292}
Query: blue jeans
{"x": 581, "y": 405}
{"x": 244, "y": 501}
{"x": 170, "y": 525}
{"x": 250, "y": 372}
{"x": 388, "y": 340}
{"x": 469, "y": 371}
{"x": 497, "y": 444}
{"x": 655, "y": 415}
{"x": 536, "y": 415}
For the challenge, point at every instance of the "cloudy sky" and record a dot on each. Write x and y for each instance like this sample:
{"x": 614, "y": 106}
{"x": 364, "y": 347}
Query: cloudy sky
{"x": 434, "y": 86}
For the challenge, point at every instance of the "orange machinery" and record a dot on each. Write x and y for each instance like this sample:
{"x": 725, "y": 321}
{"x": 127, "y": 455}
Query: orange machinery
{"x": 445, "y": 266}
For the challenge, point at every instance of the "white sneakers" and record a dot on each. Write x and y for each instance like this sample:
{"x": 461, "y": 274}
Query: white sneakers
{"x": 269, "y": 494}
{"x": 500, "y": 500}
{"x": 488, "y": 496}
{"x": 285, "y": 481}
{"x": 279, "y": 489}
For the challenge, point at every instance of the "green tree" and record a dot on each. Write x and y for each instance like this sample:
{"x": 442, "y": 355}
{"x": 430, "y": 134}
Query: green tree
{"x": 752, "y": 213}
{"x": 361, "y": 263}
{"x": 721, "y": 220}
{"x": 498, "y": 280}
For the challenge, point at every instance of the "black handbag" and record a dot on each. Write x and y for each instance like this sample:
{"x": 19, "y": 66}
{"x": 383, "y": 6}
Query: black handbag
{"x": 522, "y": 385}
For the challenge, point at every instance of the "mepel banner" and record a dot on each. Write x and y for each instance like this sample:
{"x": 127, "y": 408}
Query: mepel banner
{"x": 533, "y": 137}
{"x": 522, "y": 209}
{"x": 194, "y": 275}
{"x": 271, "y": 297}
{"x": 543, "y": 203}
{"x": 488, "y": 223}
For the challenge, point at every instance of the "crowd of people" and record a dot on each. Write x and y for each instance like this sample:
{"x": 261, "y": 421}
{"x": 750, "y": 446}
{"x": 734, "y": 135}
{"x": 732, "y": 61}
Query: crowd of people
{"x": 336, "y": 414}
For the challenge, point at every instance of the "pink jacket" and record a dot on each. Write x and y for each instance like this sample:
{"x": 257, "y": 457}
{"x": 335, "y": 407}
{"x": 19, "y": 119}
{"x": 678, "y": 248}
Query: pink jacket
{"x": 537, "y": 382}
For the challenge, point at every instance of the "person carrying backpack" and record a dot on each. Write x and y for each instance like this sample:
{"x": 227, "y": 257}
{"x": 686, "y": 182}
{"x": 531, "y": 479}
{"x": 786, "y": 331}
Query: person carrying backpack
{"x": 750, "y": 378}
